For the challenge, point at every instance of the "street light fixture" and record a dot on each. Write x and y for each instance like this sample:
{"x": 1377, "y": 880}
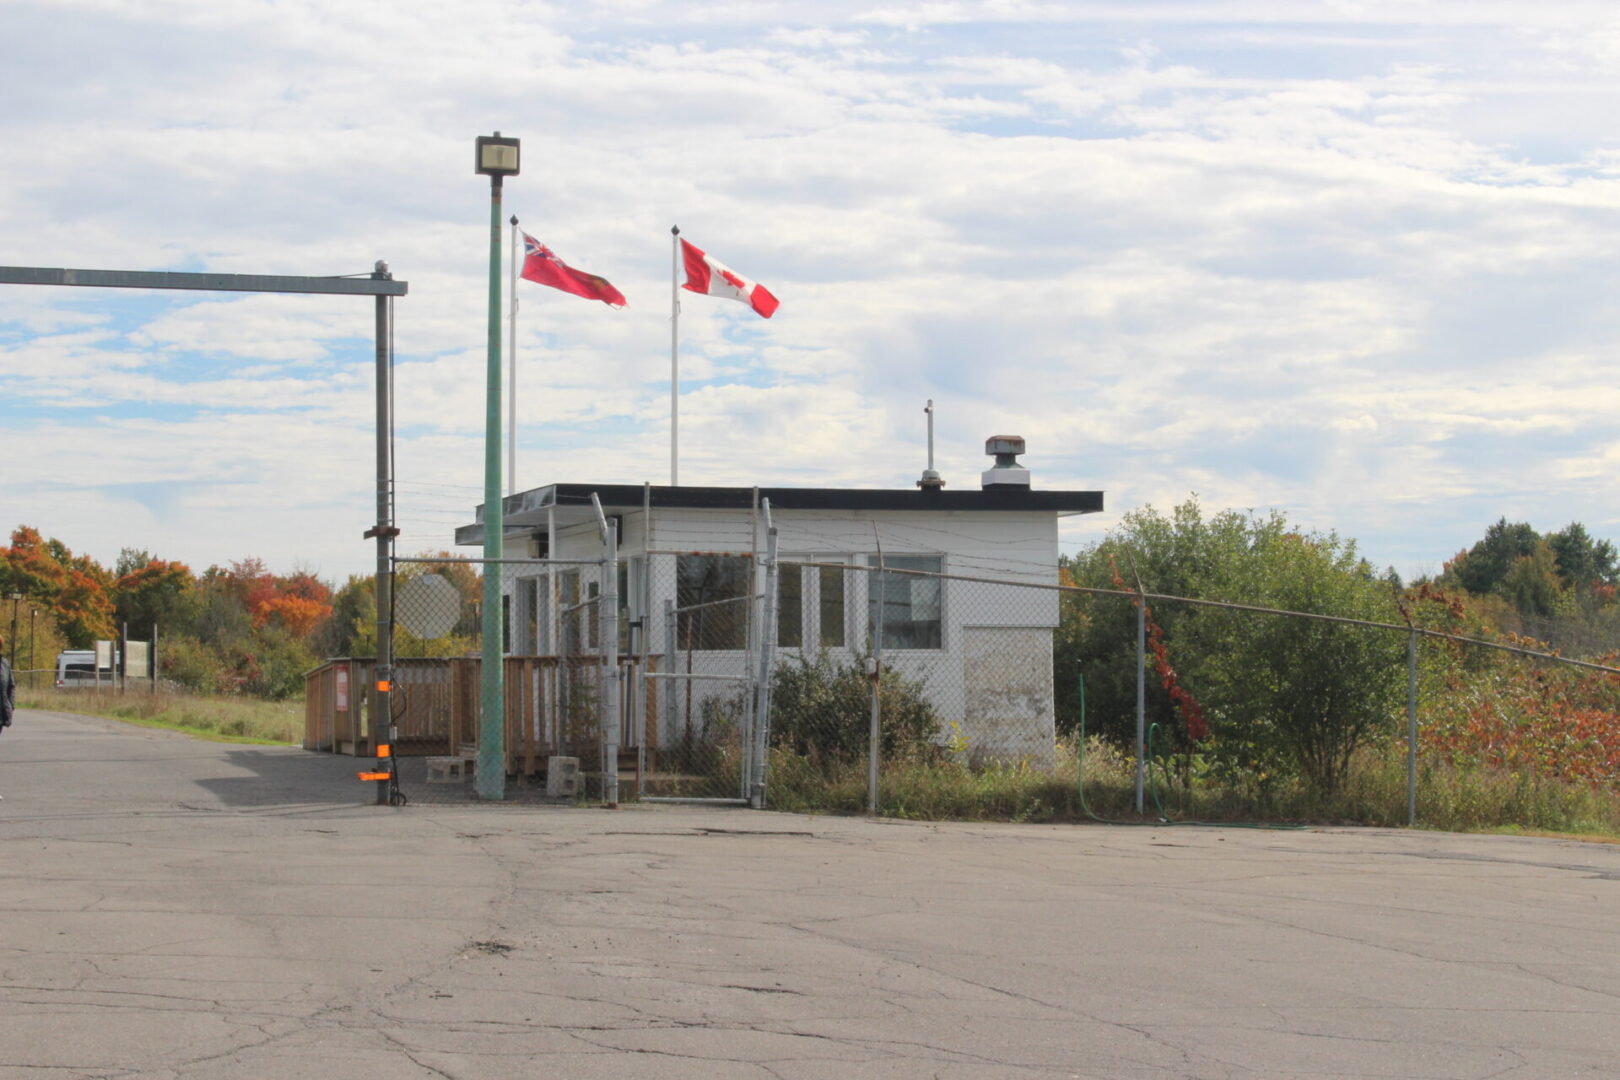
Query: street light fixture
{"x": 496, "y": 158}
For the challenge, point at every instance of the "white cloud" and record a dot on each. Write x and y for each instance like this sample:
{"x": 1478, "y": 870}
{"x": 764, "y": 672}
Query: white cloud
{"x": 1350, "y": 260}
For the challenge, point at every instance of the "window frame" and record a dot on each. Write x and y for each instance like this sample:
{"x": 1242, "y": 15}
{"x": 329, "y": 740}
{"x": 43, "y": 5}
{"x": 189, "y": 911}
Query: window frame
{"x": 874, "y": 578}
{"x": 810, "y": 598}
{"x": 683, "y": 618}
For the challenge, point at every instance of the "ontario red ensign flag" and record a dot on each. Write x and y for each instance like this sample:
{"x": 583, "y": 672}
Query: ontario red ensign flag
{"x": 542, "y": 266}
{"x": 708, "y": 275}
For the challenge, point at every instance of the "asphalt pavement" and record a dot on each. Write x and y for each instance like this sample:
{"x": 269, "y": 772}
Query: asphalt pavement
{"x": 171, "y": 908}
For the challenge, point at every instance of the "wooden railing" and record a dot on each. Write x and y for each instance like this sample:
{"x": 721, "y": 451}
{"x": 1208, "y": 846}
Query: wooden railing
{"x": 552, "y": 707}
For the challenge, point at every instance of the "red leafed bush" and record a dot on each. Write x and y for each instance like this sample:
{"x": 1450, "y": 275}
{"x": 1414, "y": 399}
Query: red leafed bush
{"x": 1553, "y": 722}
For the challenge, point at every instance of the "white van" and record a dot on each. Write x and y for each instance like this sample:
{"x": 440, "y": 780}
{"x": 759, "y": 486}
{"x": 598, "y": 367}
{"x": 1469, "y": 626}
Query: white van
{"x": 76, "y": 668}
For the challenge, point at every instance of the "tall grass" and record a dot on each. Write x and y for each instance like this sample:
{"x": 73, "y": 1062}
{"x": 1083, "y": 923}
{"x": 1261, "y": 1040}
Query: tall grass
{"x": 230, "y": 719}
{"x": 1374, "y": 793}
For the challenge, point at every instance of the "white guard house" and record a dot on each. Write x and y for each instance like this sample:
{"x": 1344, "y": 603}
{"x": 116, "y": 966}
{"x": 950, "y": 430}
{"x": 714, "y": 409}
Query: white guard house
{"x": 983, "y": 652}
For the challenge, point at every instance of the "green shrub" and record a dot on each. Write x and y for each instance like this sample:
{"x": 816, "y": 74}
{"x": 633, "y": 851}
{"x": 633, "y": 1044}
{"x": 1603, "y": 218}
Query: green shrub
{"x": 821, "y": 710}
{"x": 274, "y": 670}
{"x": 189, "y": 663}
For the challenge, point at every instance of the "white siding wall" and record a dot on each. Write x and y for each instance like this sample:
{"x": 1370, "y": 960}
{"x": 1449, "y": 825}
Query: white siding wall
{"x": 1012, "y": 546}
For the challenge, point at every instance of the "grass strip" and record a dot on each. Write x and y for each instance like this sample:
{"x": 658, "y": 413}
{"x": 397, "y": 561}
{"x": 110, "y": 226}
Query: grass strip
{"x": 219, "y": 719}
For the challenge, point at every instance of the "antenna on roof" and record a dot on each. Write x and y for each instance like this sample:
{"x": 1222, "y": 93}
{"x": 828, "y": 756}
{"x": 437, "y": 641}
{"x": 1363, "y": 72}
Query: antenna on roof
{"x": 930, "y": 479}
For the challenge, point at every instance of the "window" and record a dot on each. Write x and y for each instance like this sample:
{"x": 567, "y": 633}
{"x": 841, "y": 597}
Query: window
{"x": 810, "y": 605}
{"x": 624, "y": 605}
{"x": 910, "y": 606}
{"x": 830, "y": 605}
{"x": 593, "y": 613}
{"x": 526, "y": 592}
{"x": 576, "y": 614}
{"x": 790, "y": 607}
{"x": 711, "y": 601}
{"x": 544, "y": 645}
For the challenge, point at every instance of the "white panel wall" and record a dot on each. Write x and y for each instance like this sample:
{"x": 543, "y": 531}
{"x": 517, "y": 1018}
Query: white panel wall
{"x": 1005, "y": 546}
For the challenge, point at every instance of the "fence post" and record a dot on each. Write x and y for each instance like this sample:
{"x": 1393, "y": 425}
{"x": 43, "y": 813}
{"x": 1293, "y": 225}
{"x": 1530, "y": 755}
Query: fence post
{"x": 671, "y": 718}
{"x": 762, "y": 685}
{"x": 1411, "y": 727}
{"x": 874, "y": 745}
{"x": 1141, "y": 699}
{"x": 610, "y": 657}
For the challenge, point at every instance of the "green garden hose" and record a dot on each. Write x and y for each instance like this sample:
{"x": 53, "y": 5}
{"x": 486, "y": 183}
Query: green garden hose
{"x": 1080, "y": 753}
{"x": 1153, "y": 788}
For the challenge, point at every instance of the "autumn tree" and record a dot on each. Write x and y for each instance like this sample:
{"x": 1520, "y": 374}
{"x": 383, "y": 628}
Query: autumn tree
{"x": 31, "y": 566}
{"x": 73, "y": 588}
{"x": 1558, "y": 574}
{"x": 152, "y": 592}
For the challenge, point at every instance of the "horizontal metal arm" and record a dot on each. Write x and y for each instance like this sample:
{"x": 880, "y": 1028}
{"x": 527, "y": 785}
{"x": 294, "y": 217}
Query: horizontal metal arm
{"x": 163, "y": 279}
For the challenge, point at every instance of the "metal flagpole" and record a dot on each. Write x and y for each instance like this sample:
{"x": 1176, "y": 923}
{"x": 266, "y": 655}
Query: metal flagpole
{"x": 511, "y": 372}
{"x": 674, "y": 356}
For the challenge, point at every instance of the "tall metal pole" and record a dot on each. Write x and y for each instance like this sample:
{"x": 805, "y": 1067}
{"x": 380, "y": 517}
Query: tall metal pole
{"x": 511, "y": 372}
{"x": 874, "y": 746}
{"x": 1141, "y": 699}
{"x": 491, "y": 782}
{"x": 610, "y": 655}
{"x": 384, "y": 532}
{"x": 767, "y": 644}
{"x": 674, "y": 356}
{"x": 1411, "y": 728}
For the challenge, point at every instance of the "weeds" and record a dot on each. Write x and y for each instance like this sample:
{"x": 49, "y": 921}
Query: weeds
{"x": 1373, "y": 792}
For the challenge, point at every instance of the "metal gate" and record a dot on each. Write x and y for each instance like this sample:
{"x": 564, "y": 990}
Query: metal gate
{"x": 702, "y": 704}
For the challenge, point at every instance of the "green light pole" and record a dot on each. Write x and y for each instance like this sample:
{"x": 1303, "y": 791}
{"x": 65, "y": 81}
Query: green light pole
{"x": 497, "y": 158}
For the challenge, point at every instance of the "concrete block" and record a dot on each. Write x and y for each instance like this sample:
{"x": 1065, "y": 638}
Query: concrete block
{"x": 447, "y": 770}
{"x": 562, "y": 777}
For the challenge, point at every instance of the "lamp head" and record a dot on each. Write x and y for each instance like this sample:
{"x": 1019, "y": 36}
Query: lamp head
{"x": 497, "y": 156}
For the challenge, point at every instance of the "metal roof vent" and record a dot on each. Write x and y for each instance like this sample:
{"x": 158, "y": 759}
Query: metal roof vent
{"x": 1006, "y": 472}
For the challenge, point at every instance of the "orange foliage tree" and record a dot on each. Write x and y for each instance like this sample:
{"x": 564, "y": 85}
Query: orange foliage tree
{"x": 73, "y": 588}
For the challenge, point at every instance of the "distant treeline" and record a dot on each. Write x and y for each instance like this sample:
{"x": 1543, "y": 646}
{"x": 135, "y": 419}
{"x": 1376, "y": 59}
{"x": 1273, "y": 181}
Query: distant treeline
{"x": 232, "y": 629}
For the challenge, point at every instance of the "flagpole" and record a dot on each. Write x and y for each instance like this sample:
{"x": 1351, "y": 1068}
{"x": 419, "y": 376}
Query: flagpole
{"x": 674, "y": 356}
{"x": 511, "y": 372}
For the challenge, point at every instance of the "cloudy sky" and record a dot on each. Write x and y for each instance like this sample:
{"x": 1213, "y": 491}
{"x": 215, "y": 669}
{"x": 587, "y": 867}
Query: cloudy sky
{"x": 1351, "y": 259}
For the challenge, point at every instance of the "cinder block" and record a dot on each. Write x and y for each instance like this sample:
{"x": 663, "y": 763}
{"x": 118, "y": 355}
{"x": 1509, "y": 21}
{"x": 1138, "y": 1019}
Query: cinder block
{"x": 446, "y": 770}
{"x": 562, "y": 777}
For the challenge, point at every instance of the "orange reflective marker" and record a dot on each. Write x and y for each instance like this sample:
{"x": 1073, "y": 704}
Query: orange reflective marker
{"x": 384, "y": 750}
{"x": 372, "y": 775}
{"x": 382, "y": 686}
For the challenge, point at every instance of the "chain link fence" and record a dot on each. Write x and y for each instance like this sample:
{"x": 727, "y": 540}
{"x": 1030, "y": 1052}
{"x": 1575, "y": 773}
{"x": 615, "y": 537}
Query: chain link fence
{"x": 851, "y": 682}
{"x": 701, "y": 684}
{"x": 951, "y": 669}
{"x": 949, "y": 692}
{"x": 551, "y": 733}
{"x": 1238, "y": 709}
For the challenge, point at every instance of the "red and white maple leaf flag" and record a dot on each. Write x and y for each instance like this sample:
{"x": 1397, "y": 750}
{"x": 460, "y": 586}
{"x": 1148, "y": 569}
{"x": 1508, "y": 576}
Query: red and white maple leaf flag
{"x": 708, "y": 275}
{"x": 542, "y": 266}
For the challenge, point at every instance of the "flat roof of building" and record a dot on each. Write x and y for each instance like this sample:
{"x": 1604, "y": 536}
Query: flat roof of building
{"x": 571, "y": 503}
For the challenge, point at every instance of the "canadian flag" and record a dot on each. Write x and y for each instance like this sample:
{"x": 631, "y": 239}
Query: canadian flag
{"x": 708, "y": 275}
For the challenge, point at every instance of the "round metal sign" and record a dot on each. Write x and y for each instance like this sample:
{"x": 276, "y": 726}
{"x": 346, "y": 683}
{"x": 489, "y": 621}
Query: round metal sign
{"x": 428, "y": 606}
